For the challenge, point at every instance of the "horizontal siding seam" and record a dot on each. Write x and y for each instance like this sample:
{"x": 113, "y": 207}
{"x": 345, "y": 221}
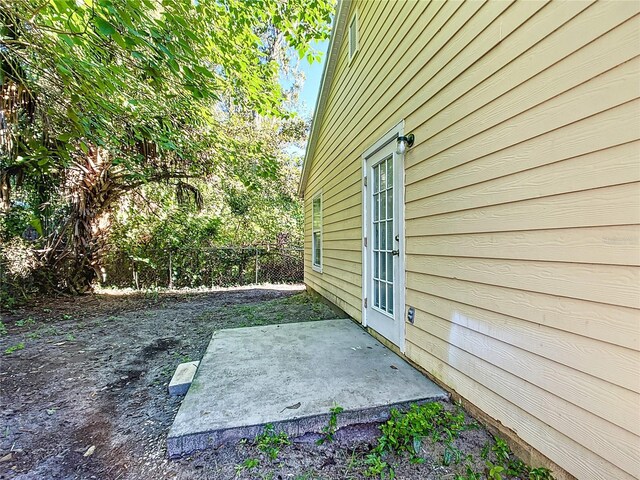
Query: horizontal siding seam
{"x": 516, "y": 289}
{"x": 521, "y": 113}
{"x": 583, "y": 372}
{"x": 536, "y": 167}
{"x": 522, "y": 319}
{"x": 524, "y": 260}
{"x": 520, "y": 229}
{"x": 514, "y": 202}
{"x": 330, "y": 147}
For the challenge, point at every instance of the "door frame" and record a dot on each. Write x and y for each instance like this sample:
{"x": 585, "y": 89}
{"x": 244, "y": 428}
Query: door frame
{"x": 398, "y": 187}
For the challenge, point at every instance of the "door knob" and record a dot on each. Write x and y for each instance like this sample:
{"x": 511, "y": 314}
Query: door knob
{"x": 395, "y": 252}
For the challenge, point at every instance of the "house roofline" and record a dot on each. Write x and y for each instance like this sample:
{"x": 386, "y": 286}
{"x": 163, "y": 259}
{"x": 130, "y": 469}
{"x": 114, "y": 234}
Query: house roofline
{"x": 337, "y": 34}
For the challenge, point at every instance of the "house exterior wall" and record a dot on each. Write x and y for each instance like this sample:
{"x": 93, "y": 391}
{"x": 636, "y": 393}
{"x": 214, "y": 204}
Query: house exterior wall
{"x": 522, "y": 208}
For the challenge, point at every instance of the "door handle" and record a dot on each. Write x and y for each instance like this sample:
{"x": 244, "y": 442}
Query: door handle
{"x": 395, "y": 252}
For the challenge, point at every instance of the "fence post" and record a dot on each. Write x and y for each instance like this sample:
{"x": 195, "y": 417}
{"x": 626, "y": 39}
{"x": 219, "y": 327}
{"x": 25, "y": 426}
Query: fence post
{"x": 135, "y": 276}
{"x": 256, "y": 282}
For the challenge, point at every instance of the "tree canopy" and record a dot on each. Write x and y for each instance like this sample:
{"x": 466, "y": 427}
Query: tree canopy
{"x": 101, "y": 97}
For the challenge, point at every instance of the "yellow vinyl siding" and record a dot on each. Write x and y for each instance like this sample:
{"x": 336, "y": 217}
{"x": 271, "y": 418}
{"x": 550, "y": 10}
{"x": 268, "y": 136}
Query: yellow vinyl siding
{"x": 522, "y": 208}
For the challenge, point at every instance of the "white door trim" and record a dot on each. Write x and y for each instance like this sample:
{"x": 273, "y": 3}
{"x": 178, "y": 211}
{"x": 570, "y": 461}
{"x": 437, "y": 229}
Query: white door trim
{"x": 399, "y": 311}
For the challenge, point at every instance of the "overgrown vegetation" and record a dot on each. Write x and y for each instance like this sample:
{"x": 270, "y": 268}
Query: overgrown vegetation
{"x": 429, "y": 435}
{"x": 102, "y": 98}
{"x": 431, "y": 424}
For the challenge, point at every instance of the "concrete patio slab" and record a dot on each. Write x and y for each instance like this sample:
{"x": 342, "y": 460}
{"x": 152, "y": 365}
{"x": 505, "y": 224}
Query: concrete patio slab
{"x": 291, "y": 376}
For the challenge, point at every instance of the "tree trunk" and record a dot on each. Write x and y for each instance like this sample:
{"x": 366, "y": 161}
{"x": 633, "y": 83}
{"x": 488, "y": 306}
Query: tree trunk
{"x": 74, "y": 254}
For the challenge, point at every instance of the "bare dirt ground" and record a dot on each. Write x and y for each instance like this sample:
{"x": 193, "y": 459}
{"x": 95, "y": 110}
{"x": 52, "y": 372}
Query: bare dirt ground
{"x": 86, "y": 397}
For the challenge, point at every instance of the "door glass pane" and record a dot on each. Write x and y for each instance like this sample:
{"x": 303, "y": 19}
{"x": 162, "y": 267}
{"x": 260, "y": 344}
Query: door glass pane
{"x": 376, "y": 290}
{"x": 389, "y": 276}
{"x": 383, "y": 296}
{"x": 375, "y": 180}
{"x": 383, "y": 264}
{"x": 376, "y": 207}
{"x": 376, "y": 236}
{"x": 383, "y": 236}
{"x": 383, "y": 202}
{"x": 376, "y": 272}
{"x": 390, "y": 245}
{"x": 389, "y": 203}
{"x": 383, "y": 176}
{"x": 390, "y": 298}
{"x": 390, "y": 171}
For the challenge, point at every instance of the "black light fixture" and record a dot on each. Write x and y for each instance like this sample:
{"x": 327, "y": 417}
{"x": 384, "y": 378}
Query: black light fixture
{"x": 405, "y": 142}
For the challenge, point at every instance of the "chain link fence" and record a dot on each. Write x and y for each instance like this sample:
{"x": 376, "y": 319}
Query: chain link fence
{"x": 206, "y": 267}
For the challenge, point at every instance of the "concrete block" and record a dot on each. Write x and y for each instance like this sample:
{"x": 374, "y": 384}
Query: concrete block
{"x": 181, "y": 380}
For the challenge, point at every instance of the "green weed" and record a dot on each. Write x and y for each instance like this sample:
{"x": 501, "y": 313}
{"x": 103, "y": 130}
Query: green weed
{"x": 540, "y": 473}
{"x": 329, "y": 430}
{"x": 14, "y": 348}
{"x": 248, "y": 464}
{"x": 494, "y": 472}
{"x": 270, "y": 442}
{"x": 404, "y": 433}
{"x": 3, "y": 328}
{"x": 507, "y": 465}
{"x": 181, "y": 357}
{"x": 469, "y": 474}
{"x": 376, "y": 467}
{"x": 25, "y": 322}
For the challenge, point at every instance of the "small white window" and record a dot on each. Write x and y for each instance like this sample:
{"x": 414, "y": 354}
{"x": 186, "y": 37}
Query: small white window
{"x": 353, "y": 36}
{"x": 316, "y": 233}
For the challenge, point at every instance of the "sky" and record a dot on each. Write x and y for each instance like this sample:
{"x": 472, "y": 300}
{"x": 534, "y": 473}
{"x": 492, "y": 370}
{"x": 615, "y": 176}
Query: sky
{"x": 310, "y": 89}
{"x": 313, "y": 74}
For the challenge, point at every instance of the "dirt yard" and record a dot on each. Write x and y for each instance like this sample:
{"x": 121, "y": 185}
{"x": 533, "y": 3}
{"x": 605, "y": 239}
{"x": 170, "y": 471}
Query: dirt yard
{"x": 83, "y": 385}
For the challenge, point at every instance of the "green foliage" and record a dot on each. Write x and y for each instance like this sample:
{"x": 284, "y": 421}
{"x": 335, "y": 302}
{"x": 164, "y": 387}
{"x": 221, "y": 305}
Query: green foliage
{"x": 248, "y": 464}
{"x": 494, "y": 472}
{"x": 329, "y": 430}
{"x": 469, "y": 474}
{"x": 404, "y": 433}
{"x": 540, "y": 473}
{"x": 376, "y": 467}
{"x": 14, "y": 348}
{"x": 3, "y": 328}
{"x": 270, "y": 442}
{"x": 239, "y": 208}
{"x": 152, "y": 69}
{"x": 506, "y": 465}
{"x": 103, "y": 98}
{"x": 25, "y": 322}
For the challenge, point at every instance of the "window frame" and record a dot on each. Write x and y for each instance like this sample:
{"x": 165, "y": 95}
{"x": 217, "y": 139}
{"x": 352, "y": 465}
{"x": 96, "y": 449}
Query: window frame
{"x": 353, "y": 23}
{"x": 316, "y": 266}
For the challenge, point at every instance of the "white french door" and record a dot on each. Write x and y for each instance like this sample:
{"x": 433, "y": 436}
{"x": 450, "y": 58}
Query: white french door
{"x": 384, "y": 269}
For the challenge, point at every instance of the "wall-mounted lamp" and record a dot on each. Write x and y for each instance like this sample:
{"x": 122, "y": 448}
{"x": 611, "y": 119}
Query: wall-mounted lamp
{"x": 405, "y": 142}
